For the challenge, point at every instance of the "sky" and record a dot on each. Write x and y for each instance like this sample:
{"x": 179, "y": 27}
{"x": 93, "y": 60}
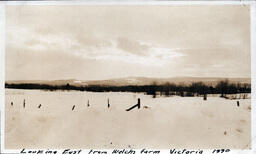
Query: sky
{"x": 104, "y": 42}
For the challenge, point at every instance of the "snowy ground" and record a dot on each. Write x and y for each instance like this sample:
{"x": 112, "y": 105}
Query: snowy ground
{"x": 168, "y": 122}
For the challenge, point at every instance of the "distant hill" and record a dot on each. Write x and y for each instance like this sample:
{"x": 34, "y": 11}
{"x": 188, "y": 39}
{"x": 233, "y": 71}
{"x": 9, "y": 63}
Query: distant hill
{"x": 160, "y": 81}
{"x": 135, "y": 81}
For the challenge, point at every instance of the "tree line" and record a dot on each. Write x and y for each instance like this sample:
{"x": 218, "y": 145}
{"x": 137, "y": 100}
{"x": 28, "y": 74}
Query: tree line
{"x": 167, "y": 89}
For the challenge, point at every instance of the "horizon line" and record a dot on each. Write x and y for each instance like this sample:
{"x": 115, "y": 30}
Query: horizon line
{"x": 131, "y": 77}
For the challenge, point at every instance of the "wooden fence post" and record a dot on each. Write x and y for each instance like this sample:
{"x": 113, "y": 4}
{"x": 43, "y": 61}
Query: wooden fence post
{"x": 205, "y": 97}
{"x": 88, "y": 104}
{"x": 136, "y": 105}
{"x": 138, "y": 102}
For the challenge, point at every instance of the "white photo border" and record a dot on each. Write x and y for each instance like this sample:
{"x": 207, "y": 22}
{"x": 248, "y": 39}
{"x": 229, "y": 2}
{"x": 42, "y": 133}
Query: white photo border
{"x": 252, "y": 4}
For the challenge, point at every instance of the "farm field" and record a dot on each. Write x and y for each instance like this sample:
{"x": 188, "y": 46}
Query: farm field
{"x": 162, "y": 122}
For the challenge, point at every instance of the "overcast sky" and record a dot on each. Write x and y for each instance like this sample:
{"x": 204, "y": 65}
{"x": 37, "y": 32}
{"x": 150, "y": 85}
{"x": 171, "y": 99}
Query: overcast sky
{"x": 102, "y": 42}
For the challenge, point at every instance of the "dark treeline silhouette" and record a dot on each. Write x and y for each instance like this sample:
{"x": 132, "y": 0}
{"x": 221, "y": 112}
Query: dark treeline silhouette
{"x": 194, "y": 89}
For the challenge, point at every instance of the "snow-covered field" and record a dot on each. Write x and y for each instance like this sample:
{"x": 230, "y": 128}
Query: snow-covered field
{"x": 168, "y": 122}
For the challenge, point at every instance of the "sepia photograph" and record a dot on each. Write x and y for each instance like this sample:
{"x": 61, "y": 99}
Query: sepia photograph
{"x": 127, "y": 76}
